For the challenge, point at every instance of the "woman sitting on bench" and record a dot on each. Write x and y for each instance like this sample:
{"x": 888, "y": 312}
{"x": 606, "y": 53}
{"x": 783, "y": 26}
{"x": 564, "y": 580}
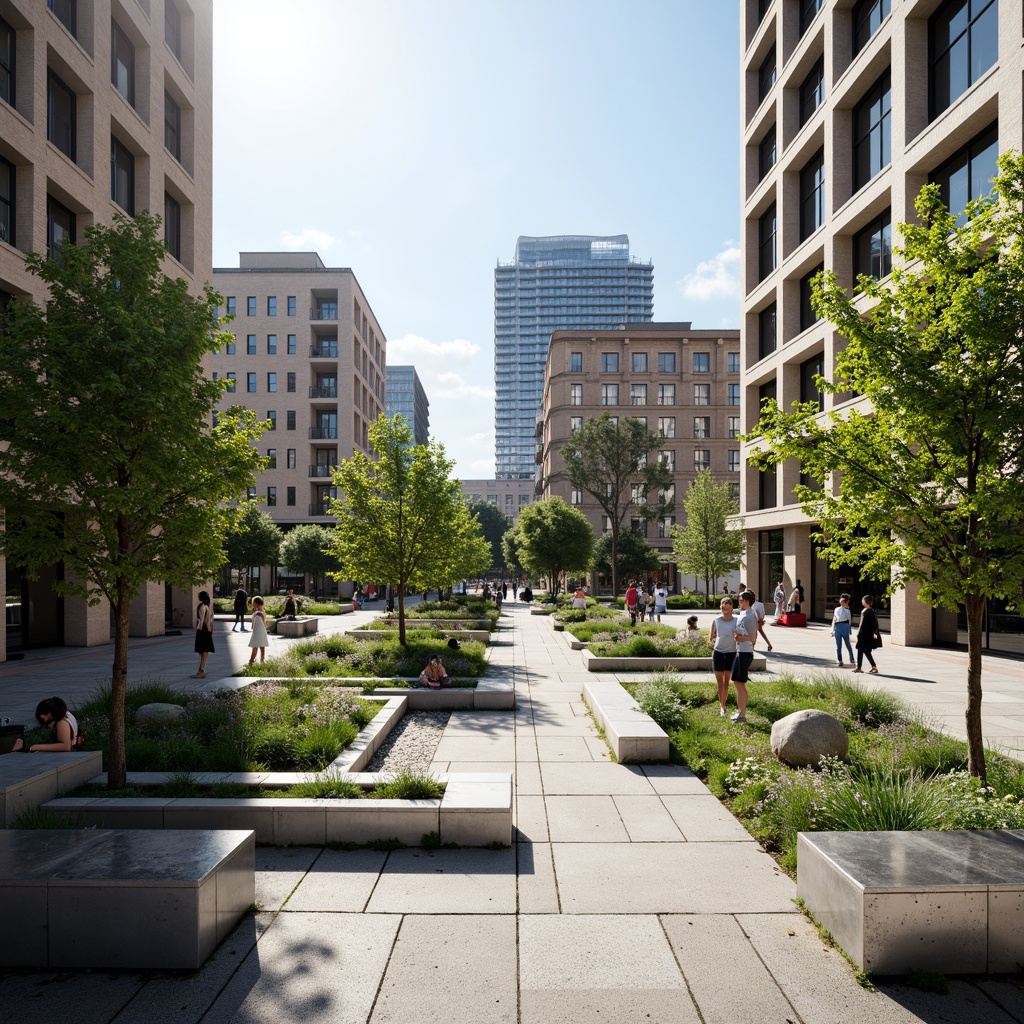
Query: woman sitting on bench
{"x": 53, "y": 712}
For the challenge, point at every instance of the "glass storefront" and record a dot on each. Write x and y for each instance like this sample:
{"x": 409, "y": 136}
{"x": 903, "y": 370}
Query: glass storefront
{"x": 771, "y": 548}
{"x": 1003, "y": 630}
{"x": 827, "y": 583}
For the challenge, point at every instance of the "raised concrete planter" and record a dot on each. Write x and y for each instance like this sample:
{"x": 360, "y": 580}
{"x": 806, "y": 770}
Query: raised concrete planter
{"x": 28, "y": 780}
{"x": 595, "y": 664}
{"x": 633, "y": 736}
{"x": 950, "y": 902}
{"x": 482, "y": 636}
{"x": 122, "y": 899}
{"x": 460, "y": 625}
{"x": 305, "y": 625}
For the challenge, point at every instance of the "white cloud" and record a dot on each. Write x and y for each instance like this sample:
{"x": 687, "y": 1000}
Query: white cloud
{"x": 482, "y": 469}
{"x": 483, "y": 441}
{"x": 715, "y": 278}
{"x": 412, "y": 345}
{"x": 307, "y": 239}
{"x": 453, "y": 385}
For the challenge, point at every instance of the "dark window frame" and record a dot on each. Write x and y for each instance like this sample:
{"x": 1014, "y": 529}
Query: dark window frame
{"x": 868, "y": 16}
{"x": 66, "y": 12}
{"x": 808, "y": 12}
{"x": 666, "y": 362}
{"x": 808, "y": 318}
{"x": 8, "y": 202}
{"x": 872, "y": 132}
{"x": 767, "y": 242}
{"x": 939, "y": 53}
{"x": 172, "y": 28}
{"x": 8, "y": 64}
{"x": 967, "y": 156}
{"x": 767, "y": 330}
{"x": 291, "y": 305}
{"x": 68, "y": 127}
{"x": 812, "y": 91}
{"x": 122, "y": 164}
{"x": 52, "y": 206}
{"x": 172, "y": 225}
{"x": 767, "y": 153}
{"x": 766, "y": 75}
{"x": 172, "y": 126}
{"x": 812, "y": 195}
{"x": 122, "y": 49}
{"x": 870, "y": 257}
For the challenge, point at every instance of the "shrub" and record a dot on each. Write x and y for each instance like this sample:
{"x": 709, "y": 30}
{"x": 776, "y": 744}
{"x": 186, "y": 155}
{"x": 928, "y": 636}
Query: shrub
{"x": 409, "y": 786}
{"x": 329, "y": 785}
{"x": 661, "y": 702}
{"x": 686, "y": 600}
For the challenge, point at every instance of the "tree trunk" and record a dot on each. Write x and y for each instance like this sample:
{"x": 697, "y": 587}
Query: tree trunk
{"x": 975, "y": 606}
{"x": 615, "y": 559}
{"x": 116, "y": 768}
{"x": 401, "y": 612}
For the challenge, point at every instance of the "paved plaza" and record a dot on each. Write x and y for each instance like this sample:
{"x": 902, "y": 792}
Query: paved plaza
{"x": 629, "y": 893}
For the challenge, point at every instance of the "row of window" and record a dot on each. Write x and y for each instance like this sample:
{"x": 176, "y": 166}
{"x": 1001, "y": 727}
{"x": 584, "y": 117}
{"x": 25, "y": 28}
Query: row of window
{"x": 67, "y": 13}
{"x": 250, "y": 306}
{"x": 667, "y": 428}
{"x": 666, "y": 394}
{"x": 291, "y": 346}
{"x": 638, "y": 362}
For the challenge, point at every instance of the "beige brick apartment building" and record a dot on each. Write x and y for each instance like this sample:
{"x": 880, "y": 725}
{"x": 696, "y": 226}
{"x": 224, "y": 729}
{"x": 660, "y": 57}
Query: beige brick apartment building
{"x": 105, "y": 106}
{"x": 848, "y": 109}
{"x": 309, "y": 356}
{"x": 684, "y": 383}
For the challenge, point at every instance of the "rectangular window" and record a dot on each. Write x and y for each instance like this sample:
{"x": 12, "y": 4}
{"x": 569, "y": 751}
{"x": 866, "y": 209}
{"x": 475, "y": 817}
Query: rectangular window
{"x": 609, "y": 394}
{"x": 666, "y": 362}
{"x": 808, "y": 10}
{"x": 250, "y": 344}
{"x": 734, "y": 427}
{"x": 812, "y": 91}
{"x": 67, "y": 13}
{"x": 809, "y": 370}
{"x": 872, "y": 247}
{"x": 701, "y": 362}
{"x": 701, "y": 459}
{"x": 172, "y": 27}
{"x": 60, "y": 227}
{"x": 666, "y": 394}
{"x": 8, "y": 52}
{"x": 290, "y": 381}
{"x": 122, "y": 177}
{"x": 807, "y": 315}
{"x": 766, "y": 75}
{"x": 250, "y": 305}
{"x": 231, "y": 382}
{"x": 766, "y": 324}
{"x": 7, "y": 182}
{"x": 963, "y": 43}
{"x": 232, "y": 305}
{"x": 229, "y": 346}
{"x": 766, "y": 229}
{"x": 872, "y": 132}
{"x": 271, "y": 344}
{"x": 766, "y": 154}
{"x": 271, "y": 458}
{"x": 732, "y": 394}
{"x": 734, "y": 460}
{"x": 250, "y": 382}
{"x": 172, "y": 225}
{"x": 968, "y": 173}
{"x": 668, "y": 460}
{"x": 812, "y": 195}
{"x": 271, "y": 382}
{"x": 271, "y": 496}
{"x": 609, "y": 362}
{"x": 576, "y": 496}
{"x": 271, "y": 305}
{"x": 575, "y": 423}
{"x": 292, "y": 344}
{"x": 733, "y": 362}
{"x": 701, "y": 394}
{"x": 122, "y": 63}
{"x": 868, "y": 16}
{"x": 638, "y": 362}
{"x": 289, "y": 495}
{"x": 575, "y": 394}
{"x": 638, "y": 394}
{"x": 291, "y": 305}
{"x": 575, "y": 362}
{"x": 701, "y": 427}
{"x": 290, "y": 419}
{"x": 272, "y": 419}
{"x": 666, "y": 426}
{"x": 290, "y": 457}
{"x": 61, "y": 106}
{"x": 665, "y": 527}
{"x": 172, "y": 126}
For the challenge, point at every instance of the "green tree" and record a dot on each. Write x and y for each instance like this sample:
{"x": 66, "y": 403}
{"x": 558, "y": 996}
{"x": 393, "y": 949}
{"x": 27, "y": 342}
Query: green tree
{"x": 550, "y": 538}
{"x": 253, "y": 539}
{"x": 108, "y": 462}
{"x": 307, "y": 549}
{"x": 609, "y": 460}
{"x": 705, "y": 545}
{"x": 637, "y": 558}
{"x": 402, "y": 517}
{"x": 494, "y": 524}
{"x": 922, "y": 479}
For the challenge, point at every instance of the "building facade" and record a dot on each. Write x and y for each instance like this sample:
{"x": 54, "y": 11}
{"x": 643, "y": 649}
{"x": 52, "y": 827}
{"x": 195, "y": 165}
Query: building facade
{"x": 683, "y": 384}
{"x": 105, "y": 107}
{"x": 406, "y": 398}
{"x": 848, "y": 109}
{"x": 509, "y": 495}
{"x": 570, "y": 282}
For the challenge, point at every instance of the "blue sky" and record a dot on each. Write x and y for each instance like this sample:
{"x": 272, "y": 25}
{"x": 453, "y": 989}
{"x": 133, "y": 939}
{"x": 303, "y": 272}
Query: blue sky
{"x": 415, "y": 140}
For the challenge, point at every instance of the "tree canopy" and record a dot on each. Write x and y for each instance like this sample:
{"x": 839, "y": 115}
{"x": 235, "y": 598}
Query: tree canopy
{"x": 306, "y": 549}
{"x": 608, "y": 458}
{"x": 922, "y": 474}
{"x": 637, "y": 558}
{"x": 494, "y": 524}
{"x": 705, "y": 545}
{"x": 551, "y": 538}
{"x": 402, "y": 518}
{"x": 252, "y": 539}
{"x": 108, "y": 462}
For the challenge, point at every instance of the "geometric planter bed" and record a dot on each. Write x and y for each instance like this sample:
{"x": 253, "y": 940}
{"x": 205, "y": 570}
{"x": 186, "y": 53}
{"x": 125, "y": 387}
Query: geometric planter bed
{"x": 456, "y": 625}
{"x": 625, "y": 664}
{"x": 480, "y": 635}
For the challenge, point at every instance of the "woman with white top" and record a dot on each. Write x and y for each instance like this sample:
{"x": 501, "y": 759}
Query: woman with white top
{"x": 842, "y": 625}
{"x": 723, "y": 650}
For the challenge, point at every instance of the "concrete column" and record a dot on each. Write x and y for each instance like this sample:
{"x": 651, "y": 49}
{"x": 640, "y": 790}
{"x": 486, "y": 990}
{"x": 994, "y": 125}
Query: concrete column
{"x": 86, "y": 625}
{"x": 797, "y": 549}
{"x": 183, "y": 606}
{"x": 146, "y": 612}
{"x": 911, "y": 618}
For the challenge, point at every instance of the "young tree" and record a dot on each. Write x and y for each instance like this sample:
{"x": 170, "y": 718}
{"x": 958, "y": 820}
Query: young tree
{"x": 494, "y": 524}
{"x": 108, "y": 462}
{"x": 637, "y": 558}
{"x": 402, "y": 517}
{"x": 705, "y": 545}
{"x": 253, "y": 539}
{"x": 551, "y": 537}
{"x": 923, "y": 478}
{"x": 609, "y": 460}
{"x": 307, "y": 549}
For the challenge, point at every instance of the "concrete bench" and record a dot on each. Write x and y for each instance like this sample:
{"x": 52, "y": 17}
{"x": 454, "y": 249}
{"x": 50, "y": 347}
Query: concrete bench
{"x": 593, "y": 663}
{"x": 28, "y": 780}
{"x": 633, "y": 736}
{"x": 949, "y": 902}
{"x": 294, "y": 628}
{"x": 122, "y": 899}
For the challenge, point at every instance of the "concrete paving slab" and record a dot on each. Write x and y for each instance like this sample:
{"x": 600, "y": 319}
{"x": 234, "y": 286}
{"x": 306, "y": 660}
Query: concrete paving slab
{"x": 582, "y": 779}
{"x": 52, "y": 996}
{"x": 647, "y": 820}
{"x": 438, "y": 956}
{"x": 535, "y": 870}
{"x": 584, "y": 819}
{"x": 340, "y": 881}
{"x": 310, "y": 967}
{"x": 670, "y": 778}
{"x": 446, "y": 882}
{"x": 531, "y": 819}
{"x": 279, "y": 870}
{"x": 480, "y": 748}
{"x": 704, "y": 819}
{"x": 528, "y": 781}
{"x": 670, "y": 878}
{"x": 563, "y": 748}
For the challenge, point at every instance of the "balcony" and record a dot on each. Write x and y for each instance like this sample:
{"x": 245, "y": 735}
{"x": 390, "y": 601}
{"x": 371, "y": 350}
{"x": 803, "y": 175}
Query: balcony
{"x": 324, "y": 311}
{"x": 324, "y": 391}
{"x": 323, "y": 433}
{"x": 319, "y": 509}
{"x": 320, "y": 470}
{"x": 326, "y": 348}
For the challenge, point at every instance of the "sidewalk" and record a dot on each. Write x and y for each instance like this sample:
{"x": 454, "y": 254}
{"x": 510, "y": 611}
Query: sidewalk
{"x": 629, "y": 895}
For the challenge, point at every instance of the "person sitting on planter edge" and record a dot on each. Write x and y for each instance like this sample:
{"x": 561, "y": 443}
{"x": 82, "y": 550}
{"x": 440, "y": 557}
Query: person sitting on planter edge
{"x": 434, "y": 675}
{"x": 53, "y": 712}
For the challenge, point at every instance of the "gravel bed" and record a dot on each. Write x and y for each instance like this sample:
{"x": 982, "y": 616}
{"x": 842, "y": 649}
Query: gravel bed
{"x": 411, "y": 744}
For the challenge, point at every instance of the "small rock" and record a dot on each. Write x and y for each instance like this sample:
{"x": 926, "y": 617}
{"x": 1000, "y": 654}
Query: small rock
{"x": 804, "y": 737}
{"x": 157, "y": 716}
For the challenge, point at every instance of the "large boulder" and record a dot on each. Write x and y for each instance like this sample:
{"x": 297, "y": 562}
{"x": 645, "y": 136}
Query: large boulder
{"x": 158, "y": 716}
{"x": 804, "y": 737}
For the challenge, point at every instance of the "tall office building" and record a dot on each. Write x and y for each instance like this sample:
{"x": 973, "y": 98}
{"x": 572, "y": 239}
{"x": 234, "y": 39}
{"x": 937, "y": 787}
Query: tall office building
{"x": 848, "y": 109}
{"x": 105, "y": 107}
{"x": 560, "y": 282}
{"x": 406, "y": 398}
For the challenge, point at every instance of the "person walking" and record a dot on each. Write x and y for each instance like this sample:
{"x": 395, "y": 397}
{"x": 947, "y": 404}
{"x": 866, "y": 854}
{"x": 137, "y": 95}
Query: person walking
{"x": 746, "y": 637}
{"x": 241, "y": 607}
{"x": 641, "y": 602}
{"x": 761, "y": 614}
{"x": 779, "y": 597}
{"x": 631, "y": 608}
{"x": 723, "y": 650}
{"x": 204, "y": 633}
{"x": 660, "y": 600}
{"x": 868, "y": 636}
{"x": 842, "y": 626}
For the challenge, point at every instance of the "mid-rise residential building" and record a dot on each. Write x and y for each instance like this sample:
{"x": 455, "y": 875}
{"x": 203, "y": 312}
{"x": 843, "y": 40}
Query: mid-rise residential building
{"x": 682, "y": 384}
{"x": 509, "y": 495}
{"x": 105, "y": 107}
{"x": 406, "y": 398}
{"x": 561, "y": 282}
{"x": 309, "y": 357}
{"x": 848, "y": 109}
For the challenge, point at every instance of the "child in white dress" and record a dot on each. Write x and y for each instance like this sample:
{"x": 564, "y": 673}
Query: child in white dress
{"x": 258, "y": 637}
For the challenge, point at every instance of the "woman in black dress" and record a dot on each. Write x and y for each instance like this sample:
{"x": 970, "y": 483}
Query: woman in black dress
{"x": 867, "y": 634}
{"x": 204, "y": 632}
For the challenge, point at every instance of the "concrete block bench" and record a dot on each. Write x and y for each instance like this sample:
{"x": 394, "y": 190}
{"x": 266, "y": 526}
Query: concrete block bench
{"x": 482, "y": 636}
{"x": 633, "y": 736}
{"x": 293, "y": 628}
{"x": 950, "y": 902}
{"x": 122, "y": 899}
{"x": 28, "y": 780}
{"x": 593, "y": 663}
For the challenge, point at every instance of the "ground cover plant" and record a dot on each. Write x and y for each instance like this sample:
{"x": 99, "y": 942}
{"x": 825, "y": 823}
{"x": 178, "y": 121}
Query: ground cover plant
{"x": 274, "y": 606}
{"x": 592, "y": 613}
{"x": 457, "y": 607}
{"x": 337, "y": 657}
{"x": 644, "y": 640}
{"x": 899, "y": 775}
{"x": 675, "y": 601}
{"x": 293, "y": 726}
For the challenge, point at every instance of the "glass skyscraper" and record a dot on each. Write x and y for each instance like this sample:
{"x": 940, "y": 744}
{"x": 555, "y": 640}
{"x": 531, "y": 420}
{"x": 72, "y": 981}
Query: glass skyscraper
{"x": 570, "y": 282}
{"x": 406, "y": 398}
